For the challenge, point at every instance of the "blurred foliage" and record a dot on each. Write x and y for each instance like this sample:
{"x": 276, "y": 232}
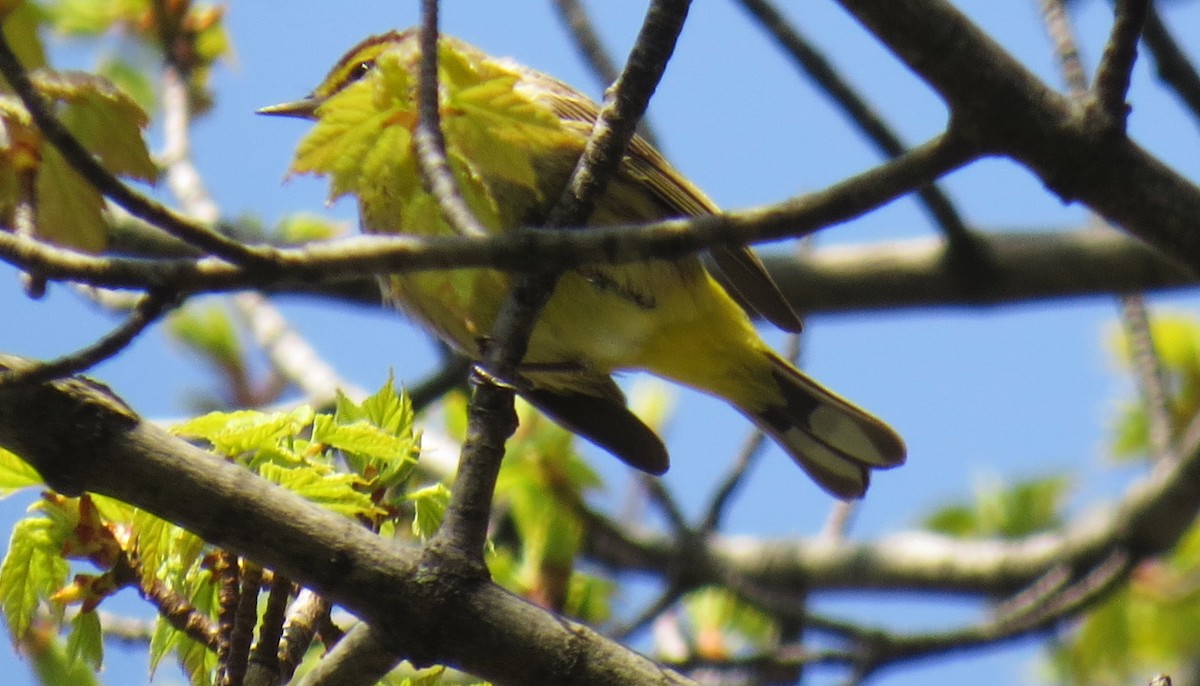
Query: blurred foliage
{"x": 358, "y": 461}
{"x": 1149, "y": 626}
{"x": 719, "y": 625}
{"x": 1001, "y": 510}
{"x": 1177, "y": 343}
{"x": 41, "y": 194}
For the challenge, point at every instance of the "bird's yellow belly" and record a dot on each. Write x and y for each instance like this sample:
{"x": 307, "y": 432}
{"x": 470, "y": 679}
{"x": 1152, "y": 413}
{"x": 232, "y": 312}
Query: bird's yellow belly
{"x": 667, "y": 318}
{"x": 591, "y": 322}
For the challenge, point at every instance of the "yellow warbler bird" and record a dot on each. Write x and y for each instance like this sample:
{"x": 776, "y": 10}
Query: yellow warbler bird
{"x": 513, "y": 136}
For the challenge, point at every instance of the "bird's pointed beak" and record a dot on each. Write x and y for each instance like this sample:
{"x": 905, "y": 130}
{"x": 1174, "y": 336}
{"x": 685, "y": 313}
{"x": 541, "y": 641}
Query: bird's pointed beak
{"x": 305, "y": 108}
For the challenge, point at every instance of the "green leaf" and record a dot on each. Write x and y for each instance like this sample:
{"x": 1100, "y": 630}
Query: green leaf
{"x": 336, "y": 492}
{"x": 376, "y": 437}
{"x": 304, "y": 228}
{"x": 376, "y": 455}
{"x": 164, "y": 550}
{"x": 162, "y": 641}
{"x": 21, "y": 21}
{"x": 32, "y": 569}
{"x": 107, "y": 122}
{"x": 52, "y": 666}
{"x": 105, "y": 119}
{"x": 69, "y": 209}
{"x": 208, "y": 329}
{"x": 426, "y": 677}
{"x": 590, "y": 598}
{"x": 89, "y": 17}
{"x": 723, "y": 625}
{"x": 429, "y": 504}
{"x": 358, "y": 121}
{"x": 389, "y": 410}
{"x": 86, "y": 641}
{"x": 1005, "y": 511}
{"x": 1177, "y": 345}
{"x": 957, "y": 520}
{"x": 130, "y": 79}
{"x": 236, "y": 433}
{"x": 197, "y": 661}
{"x": 15, "y": 474}
{"x": 1145, "y": 627}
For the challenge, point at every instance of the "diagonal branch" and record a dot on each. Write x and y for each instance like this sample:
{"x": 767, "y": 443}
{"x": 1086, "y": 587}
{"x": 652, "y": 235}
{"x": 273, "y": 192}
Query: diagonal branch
{"x": 517, "y": 250}
{"x": 428, "y": 138}
{"x": 86, "y": 165}
{"x": 1172, "y": 63}
{"x": 1002, "y": 106}
{"x": 1116, "y": 65}
{"x": 857, "y": 110}
{"x": 491, "y": 420}
{"x": 477, "y": 627}
{"x": 147, "y": 311}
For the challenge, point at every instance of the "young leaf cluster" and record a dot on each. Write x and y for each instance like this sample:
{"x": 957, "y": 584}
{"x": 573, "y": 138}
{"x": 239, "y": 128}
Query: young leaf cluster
{"x": 359, "y": 461}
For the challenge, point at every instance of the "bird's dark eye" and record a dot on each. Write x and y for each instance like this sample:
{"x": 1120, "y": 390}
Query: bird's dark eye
{"x": 359, "y": 70}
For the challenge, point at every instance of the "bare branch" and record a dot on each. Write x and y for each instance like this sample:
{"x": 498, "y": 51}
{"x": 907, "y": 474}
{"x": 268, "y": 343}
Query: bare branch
{"x": 147, "y": 311}
{"x": 516, "y": 250}
{"x": 429, "y": 614}
{"x": 858, "y": 111}
{"x": 361, "y": 658}
{"x": 491, "y": 418}
{"x": 99, "y": 177}
{"x": 1172, "y": 64}
{"x": 1116, "y": 65}
{"x": 999, "y": 104}
{"x": 431, "y": 144}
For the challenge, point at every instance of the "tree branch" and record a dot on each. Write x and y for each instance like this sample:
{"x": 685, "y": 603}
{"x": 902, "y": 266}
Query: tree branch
{"x": 478, "y": 627}
{"x": 858, "y": 111}
{"x": 491, "y": 419}
{"x": 1116, "y": 65}
{"x": 96, "y": 175}
{"x": 148, "y": 310}
{"x": 1001, "y": 106}
{"x": 517, "y": 250}
{"x": 428, "y": 138}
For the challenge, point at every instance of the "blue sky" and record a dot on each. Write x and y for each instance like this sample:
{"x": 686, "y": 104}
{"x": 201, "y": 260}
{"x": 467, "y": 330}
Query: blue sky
{"x": 1015, "y": 391}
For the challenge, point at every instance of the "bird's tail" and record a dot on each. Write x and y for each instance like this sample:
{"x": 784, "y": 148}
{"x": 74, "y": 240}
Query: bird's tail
{"x": 834, "y": 441}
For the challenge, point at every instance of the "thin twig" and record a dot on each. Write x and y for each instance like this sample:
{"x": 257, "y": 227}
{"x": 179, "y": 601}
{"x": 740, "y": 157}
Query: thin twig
{"x": 736, "y": 476}
{"x": 664, "y": 601}
{"x": 183, "y": 178}
{"x": 24, "y": 221}
{"x": 516, "y": 250}
{"x": 299, "y": 629}
{"x": 858, "y": 111}
{"x": 659, "y": 495}
{"x": 1114, "y": 74}
{"x": 1171, "y": 63}
{"x": 264, "y": 655}
{"x": 574, "y": 15}
{"x": 244, "y": 619}
{"x": 136, "y": 204}
{"x": 225, "y": 576}
{"x": 361, "y": 658}
{"x": 1151, "y": 376}
{"x": 491, "y": 418}
{"x": 148, "y": 310}
{"x": 752, "y": 448}
{"x": 289, "y": 353}
{"x": 1116, "y": 64}
{"x": 428, "y": 137}
{"x": 1066, "y": 48}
